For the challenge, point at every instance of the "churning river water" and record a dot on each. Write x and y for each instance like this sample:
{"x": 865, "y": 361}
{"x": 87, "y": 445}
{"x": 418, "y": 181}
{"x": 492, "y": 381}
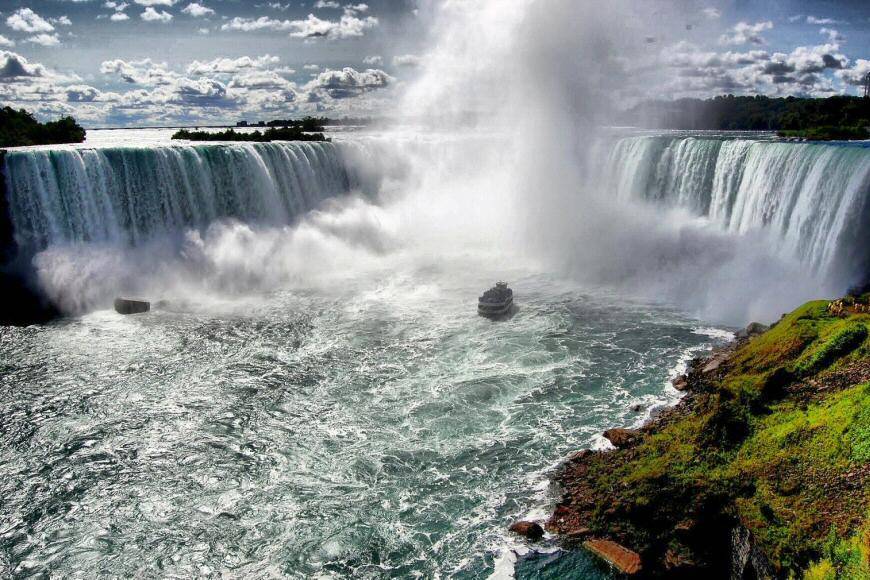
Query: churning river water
{"x": 377, "y": 429}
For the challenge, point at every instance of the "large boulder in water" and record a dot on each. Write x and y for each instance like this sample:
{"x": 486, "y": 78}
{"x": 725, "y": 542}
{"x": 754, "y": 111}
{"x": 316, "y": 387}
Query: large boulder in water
{"x": 530, "y": 530}
{"x": 131, "y": 306}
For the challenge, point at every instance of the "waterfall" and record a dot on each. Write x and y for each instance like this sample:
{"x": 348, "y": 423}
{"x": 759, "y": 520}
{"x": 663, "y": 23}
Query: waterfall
{"x": 92, "y": 222}
{"x": 127, "y": 195}
{"x": 813, "y": 197}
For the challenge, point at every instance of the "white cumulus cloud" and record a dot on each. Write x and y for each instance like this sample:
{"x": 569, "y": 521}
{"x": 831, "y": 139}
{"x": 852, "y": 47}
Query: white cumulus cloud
{"x": 196, "y": 10}
{"x": 44, "y": 39}
{"x": 152, "y": 15}
{"x": 14, "y": 66}
{"x": 348, "y": 26}
{"x": 349, "y": 82}
{"x": 745, "y": 33}
{"x": 231, "y": 65}
{"x": 26, "y": 20}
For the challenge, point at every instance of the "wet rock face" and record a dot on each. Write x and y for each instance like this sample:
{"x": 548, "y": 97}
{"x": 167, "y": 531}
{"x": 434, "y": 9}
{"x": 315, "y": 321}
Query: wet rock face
{"x": 747, "y": 561}
{"x": 753, "y": 329}
{"x": 22, "y": 305}
{"x": 622, "y": 438}
{"x": 131, "y": 306}
{"x": 529, "y": 530}
{"x": 681, "y": 383}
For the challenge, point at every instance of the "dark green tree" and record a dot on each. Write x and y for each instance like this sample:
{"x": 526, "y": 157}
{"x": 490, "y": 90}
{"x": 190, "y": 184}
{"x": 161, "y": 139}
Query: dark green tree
{"x": 18, "y": 128}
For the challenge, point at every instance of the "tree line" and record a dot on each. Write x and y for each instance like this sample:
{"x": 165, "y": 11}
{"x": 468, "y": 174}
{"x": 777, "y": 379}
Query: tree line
{"x": 272, "y": 134}
{"x": 758, "y": 113}
{"x": 19, "y": 128}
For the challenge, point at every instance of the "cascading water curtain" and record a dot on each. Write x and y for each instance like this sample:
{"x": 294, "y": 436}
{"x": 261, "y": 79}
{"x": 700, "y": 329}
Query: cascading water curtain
{"x": 128, "y": 195}
{"x": 813, "y": 197}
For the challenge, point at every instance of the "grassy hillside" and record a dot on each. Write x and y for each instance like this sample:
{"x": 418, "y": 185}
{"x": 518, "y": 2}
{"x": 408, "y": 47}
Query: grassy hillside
{"x": 775, "y": 440}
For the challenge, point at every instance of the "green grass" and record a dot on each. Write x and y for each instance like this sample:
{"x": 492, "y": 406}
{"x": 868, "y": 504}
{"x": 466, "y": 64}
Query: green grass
{"x": 797, "y": 458}
{"x": 842, "y": 339}
{"x": 843, "y": 559}
{"x": 859, "y": 435}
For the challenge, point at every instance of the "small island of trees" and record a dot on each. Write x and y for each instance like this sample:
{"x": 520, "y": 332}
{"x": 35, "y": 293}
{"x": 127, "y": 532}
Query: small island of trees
{"x": 20, "y": 128}
{"x": 307, "y": 129}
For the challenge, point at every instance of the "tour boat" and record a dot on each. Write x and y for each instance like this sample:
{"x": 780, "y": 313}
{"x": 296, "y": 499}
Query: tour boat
{"x": 497, "y": 301}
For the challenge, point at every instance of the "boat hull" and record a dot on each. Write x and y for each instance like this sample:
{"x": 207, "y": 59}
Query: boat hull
{"x": 494, "y": 310}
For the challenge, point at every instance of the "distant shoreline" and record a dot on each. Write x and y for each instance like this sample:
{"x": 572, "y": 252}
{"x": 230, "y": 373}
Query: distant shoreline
{"x": 188, "y": 126}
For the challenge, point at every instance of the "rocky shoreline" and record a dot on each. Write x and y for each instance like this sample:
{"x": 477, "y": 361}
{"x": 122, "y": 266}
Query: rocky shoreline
{"x": 740, "y": 478}
{"x": 570, "y": 519}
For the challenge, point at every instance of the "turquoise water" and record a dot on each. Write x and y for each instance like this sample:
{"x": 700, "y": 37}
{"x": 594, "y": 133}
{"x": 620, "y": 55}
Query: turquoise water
{"x": 380, "y": 429}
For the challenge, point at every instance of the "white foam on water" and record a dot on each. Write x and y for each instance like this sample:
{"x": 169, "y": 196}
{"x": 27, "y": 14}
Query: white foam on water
{"x": 717, "y": 333}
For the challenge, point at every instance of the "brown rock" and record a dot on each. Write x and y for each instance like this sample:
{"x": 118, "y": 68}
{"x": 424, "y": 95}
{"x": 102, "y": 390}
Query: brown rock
{"x": 622, "y": 438}
{"x": 562, "y": 511}
{"x": 530, "y": 530}
{"x": 131, "y": 306}
{"x": 714, "y": 363}
{"x": 620, "y": 557}
{"x": 753, "y": 329}
{"x": 681, "y": 383}
{"x": 580, "y": 455}
{"x": 676, "y": 561}
{"x": 579, "y": 533}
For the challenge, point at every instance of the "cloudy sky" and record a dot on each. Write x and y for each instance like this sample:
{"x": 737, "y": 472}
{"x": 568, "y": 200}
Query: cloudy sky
{"x": 155, "y": 62}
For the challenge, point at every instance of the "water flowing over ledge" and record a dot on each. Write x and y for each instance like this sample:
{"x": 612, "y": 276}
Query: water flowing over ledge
{"x": 813, "y": 197}
{"x": 81, "y": 213}
{"x": 129, "y": 195}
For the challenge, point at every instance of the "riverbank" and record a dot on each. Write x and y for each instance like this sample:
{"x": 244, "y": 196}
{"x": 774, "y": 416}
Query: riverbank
{"x": 762, "y": 469}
